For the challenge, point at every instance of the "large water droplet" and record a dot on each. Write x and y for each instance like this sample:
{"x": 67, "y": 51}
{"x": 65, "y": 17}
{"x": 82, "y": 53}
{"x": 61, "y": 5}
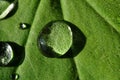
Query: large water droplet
{"x": 24, "y": 26}
{"x": 56, "y": 38}
{"x": 11, "y": 54}
{"x": 61, "y": 39}
{"x": 6, "y": 53}
{"x": 15, "y": 76}
{"x": 7, "y": 8}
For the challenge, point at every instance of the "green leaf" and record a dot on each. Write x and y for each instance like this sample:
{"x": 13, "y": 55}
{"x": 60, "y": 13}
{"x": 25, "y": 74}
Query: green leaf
{"x": 98, "y": 20}
{"x": 9, "y": 30}
{"x": 100, "y": 58}
{"x": 35, "y": 63}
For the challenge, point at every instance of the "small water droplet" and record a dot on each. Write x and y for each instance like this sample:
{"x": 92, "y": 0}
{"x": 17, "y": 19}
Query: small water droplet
{"x": 61, "y": 39}
{"x": 7, "y": 7}
{"x": 11, "y": 54}
{"x": 15, "y": 76}
{"x": 6, "y": 53}
{"x": 24, "y": 26}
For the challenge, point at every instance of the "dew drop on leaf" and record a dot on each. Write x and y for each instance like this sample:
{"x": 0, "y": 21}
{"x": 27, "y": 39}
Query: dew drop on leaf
{"x": 6, "y": 53}
{"x": 15, "y": 76}
{"x": 24, "y": 26}
{"x": 11, "y": 54}
{"x": 61, "y": 39}
{"x": 55, "y": 39}
{"x": 7, "y": 8}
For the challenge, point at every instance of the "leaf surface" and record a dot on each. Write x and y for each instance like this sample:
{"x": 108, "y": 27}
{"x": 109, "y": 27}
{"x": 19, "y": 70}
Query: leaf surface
{"x": 97, "y": 19}
{"x": 100, "y": 58}
{"x": 35, "y": 63}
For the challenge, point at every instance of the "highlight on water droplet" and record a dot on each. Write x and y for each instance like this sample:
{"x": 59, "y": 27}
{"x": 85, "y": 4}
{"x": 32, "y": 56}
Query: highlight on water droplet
{"x": 7, "y": 8}
{"x": 24, "y": 26}
{"x": 59, "y": 39}
{"x": 11, "y": 54}
{"x": 6, "y": 53}
{"x": 15, "y": 76}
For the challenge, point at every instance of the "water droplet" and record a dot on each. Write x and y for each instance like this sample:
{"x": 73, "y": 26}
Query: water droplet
{"x": 24, "y": 26}
{"x": 6, "y": 53}
{"x": 15, "y": 76}
{"x": 61, "y": 39}
{"x": 56, "y": 38}
{"x": 11, "y": 54}
{"x": 7, "y": 7}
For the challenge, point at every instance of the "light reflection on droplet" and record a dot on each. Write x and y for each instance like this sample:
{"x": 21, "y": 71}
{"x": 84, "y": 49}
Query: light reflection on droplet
{"x": 15, "y": 76}
{"x": 6, "y": 53}
{"x": 24, "y": 26}
{"x": 4, "y": 13}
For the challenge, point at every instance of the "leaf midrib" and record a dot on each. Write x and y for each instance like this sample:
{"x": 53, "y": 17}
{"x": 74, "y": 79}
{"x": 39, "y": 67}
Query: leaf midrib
{"x": 108, "y": 22}
{"x": 28, "y": 39}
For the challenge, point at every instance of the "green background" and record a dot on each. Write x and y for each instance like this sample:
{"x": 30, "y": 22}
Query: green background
{"x": 99, "y": 20}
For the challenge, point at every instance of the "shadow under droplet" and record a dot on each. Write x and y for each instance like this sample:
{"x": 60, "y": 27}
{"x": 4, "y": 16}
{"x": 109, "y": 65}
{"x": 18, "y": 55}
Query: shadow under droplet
{"x": 10, "y": 1}
{"x": 19, "y": 54}
{"x": 79, "y": 41}
{"x": 77, "y": 78}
